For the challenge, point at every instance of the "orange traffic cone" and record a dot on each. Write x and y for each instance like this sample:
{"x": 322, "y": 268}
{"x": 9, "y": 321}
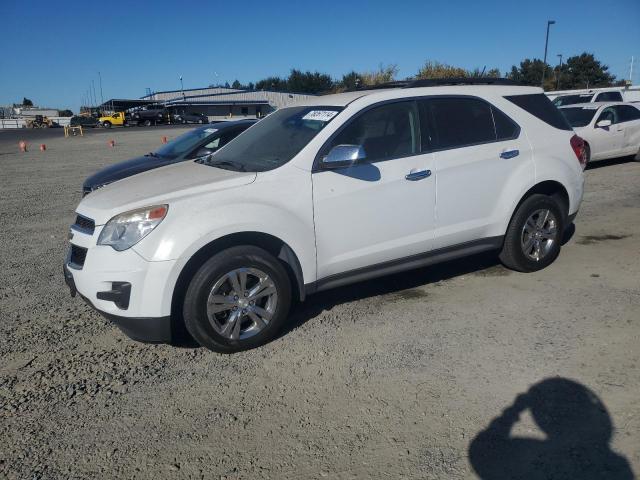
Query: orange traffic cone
{"x": 164, "y": 139}
{"x": 112, "y": 143}
{"x": 23, "y": 146}
{"x": 43, "y": 147}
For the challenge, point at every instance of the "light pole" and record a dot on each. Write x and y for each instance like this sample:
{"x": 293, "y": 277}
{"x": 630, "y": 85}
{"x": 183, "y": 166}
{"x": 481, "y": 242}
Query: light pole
{"x": 546, "y": 44}
{"x": 559, "y": 72}
{"x": 101, "y": 97}
{"x": 182, "y": 88}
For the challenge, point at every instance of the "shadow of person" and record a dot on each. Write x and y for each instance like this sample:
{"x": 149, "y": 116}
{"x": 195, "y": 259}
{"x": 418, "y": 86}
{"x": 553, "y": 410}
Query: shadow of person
{"x": 578, "y": 430}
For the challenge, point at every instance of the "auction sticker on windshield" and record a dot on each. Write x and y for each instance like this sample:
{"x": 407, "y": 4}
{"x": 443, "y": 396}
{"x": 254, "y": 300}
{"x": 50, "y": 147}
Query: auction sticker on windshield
{"x": 320, "y": 115}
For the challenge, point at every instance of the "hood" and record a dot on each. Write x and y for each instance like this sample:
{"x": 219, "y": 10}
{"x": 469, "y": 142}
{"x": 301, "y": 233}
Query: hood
{"x": 124, "y": 169}
{"x": 158, "y": 186}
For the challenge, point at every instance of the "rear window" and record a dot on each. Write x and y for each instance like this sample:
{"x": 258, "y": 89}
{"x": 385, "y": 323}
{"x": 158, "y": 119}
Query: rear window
{"x": 609, "y": 97}
{"x": 539, "y": 105}
{"x": 578, "y": 117}
{"x": 572, "y": 99}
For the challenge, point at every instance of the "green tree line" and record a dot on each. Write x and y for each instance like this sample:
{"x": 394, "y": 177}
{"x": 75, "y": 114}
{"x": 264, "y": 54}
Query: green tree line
{"x": 580, "y": 71}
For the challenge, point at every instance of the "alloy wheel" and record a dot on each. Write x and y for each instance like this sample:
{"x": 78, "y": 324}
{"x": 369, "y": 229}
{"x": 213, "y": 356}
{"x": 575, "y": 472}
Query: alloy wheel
{"x": 539, "y": 234}
{"x": 241, "y": 303}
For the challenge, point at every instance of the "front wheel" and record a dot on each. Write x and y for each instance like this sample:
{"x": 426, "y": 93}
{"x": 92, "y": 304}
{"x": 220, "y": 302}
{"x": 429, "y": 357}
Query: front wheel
{"x": 533, "y": 238}
{"x": 106, "y": 124}
{"x": 239, "y": 299}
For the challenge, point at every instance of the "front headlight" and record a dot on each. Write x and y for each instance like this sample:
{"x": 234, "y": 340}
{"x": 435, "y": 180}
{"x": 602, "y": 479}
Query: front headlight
{"x": 125, "y": 230}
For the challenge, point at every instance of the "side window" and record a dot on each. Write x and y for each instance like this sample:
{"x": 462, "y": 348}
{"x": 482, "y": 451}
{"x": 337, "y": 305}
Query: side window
{"x": 609, "y": 97}
{"x": 213, "y": 144}
{"x": 609, "y": 113}
{"x": 506, "y": 129}
{"x": 457, "y": 122}
{"x": 385, "y": 132}
{"x": 627, "y": 113}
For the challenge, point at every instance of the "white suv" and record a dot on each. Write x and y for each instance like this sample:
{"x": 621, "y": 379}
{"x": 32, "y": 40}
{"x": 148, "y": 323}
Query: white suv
{"x": 336, "y": 190}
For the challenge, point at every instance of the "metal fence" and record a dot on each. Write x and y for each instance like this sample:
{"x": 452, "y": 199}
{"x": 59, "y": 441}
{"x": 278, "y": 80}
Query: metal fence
{"x": 19, "y": 122}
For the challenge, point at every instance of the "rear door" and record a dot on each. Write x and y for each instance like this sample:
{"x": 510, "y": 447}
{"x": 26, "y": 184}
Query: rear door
{"x": 477, "y": 150}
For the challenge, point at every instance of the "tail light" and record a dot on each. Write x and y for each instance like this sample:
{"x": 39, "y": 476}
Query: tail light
{"x": 579, "y": 149}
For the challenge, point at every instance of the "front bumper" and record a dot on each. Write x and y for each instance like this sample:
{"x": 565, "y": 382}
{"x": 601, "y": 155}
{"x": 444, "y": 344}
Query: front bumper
{"x": 142, "y": 329}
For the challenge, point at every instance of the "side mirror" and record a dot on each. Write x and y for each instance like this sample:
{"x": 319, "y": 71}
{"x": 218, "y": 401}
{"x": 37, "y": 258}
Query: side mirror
{"x": 342, "y": 156}
{"x": 603, "y": 124}
{"x": 202, "y": 152}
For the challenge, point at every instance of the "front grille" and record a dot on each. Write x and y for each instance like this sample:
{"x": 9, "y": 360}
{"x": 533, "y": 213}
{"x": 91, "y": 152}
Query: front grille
{"x": 84, "y": 224}
{"x": 77, "y": 256}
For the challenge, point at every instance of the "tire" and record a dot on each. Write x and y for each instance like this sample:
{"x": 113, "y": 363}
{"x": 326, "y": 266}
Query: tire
{"x": 184, "y": 121}
{"x": 211, "y": 325}
{"x": 106, "y": 124}
{"x": 201, "y": 122}
{"x": 147, "y": 123}
{"x": 518, "y": 253}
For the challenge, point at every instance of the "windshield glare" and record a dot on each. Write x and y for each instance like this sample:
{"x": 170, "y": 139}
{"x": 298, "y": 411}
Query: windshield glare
{"x": 185, "y": 142}
{"x": 274, "y": 141}
{"x": 578, "y": 117}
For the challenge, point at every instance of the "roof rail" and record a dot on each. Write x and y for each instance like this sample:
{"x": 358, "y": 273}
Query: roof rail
{"x": 438, "y": 82}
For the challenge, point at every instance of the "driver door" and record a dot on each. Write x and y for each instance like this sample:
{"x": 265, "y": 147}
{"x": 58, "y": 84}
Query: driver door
{"x": 607, "y": 141}
{"x": 381, "y": 209}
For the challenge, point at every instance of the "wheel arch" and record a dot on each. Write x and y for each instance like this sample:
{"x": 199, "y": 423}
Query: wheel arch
{"x": 551, "y": 188}
{"x": 274, "y": 245}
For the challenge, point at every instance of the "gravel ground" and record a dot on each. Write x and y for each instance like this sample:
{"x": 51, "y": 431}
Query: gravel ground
{"x": 394, "y": 378}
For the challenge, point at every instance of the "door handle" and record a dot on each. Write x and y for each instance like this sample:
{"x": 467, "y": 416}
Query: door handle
{"x": 510, "y": 153}
{"x": 419, "y": 175}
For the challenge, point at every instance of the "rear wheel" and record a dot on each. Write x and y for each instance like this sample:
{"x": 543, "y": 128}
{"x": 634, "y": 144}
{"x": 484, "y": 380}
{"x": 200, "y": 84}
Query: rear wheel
{"x": 239, "y": 299}
{"x": 147, "y": 123}
{"x": 533, "y": 238}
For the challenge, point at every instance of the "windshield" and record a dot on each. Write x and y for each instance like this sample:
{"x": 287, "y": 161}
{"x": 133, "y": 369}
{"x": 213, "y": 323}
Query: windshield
{"x": 578, "y": 117}
{"x": 185, "y": 142}
{"x": 274, "y": 141}
{"x": 572, "y": 99}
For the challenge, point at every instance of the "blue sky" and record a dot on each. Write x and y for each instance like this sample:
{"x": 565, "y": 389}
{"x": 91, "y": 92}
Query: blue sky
{"x": 57, "y": 48}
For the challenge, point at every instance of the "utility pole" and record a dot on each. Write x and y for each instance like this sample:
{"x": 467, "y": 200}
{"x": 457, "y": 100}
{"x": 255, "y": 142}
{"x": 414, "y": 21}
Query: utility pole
{"x": 182, "y": 88}
{"x": 93, "y": 86}
{"x": 559, "y": 72}
{"x": 546, "y": 45}
{"x": 101, "y": 97}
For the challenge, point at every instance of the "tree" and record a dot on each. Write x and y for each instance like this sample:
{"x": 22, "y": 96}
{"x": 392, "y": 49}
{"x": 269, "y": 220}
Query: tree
{"x": 432, "y": 69}
{"x": 529, "y": 72}
{"x": 309, "y": 82}
{"x": 377, "y": 77}
{"x": 65, "y": 113}
{"x": 584, "y": 71}
{"x": 272, "y": 83}
{"x": 26, "y": 102}
{"x": 236, "y": 84}
{"x": 350, "y": 81}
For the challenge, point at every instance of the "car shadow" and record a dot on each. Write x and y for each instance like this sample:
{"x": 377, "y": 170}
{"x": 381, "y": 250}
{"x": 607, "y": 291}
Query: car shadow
{"x": 610, "y": 162}
{"x": 391, "y": 284}
{"x": 577, "y": 430}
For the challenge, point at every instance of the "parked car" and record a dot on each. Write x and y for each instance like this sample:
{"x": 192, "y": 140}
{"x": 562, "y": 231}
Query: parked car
{"x": 190, "y": 118}
{"x": 150, "y": 115}
{"x": 335, "y": 190}
{"x": 82, "y": 121}
{"x": 587, "y": 97}
{"x": 195, "y": 143}
{"x": 608, "y": 129}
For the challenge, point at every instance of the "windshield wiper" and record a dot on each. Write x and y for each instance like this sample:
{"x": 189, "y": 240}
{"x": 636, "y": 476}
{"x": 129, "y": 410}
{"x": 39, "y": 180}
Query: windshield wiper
{"x": 151, "y": 154}
{"x": 226, "y": 163}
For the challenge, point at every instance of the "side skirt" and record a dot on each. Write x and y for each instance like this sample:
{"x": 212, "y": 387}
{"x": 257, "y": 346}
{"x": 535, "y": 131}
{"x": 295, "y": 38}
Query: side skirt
{"x": 404, "y": 264}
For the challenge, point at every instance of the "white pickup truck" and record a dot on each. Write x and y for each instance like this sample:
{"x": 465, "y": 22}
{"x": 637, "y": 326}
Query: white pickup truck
{"x": 612, "y": 94}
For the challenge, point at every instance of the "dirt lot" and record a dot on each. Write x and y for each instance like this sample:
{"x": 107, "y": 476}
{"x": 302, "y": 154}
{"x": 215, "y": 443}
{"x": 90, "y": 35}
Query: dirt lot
{"x": 394, "y": 378}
